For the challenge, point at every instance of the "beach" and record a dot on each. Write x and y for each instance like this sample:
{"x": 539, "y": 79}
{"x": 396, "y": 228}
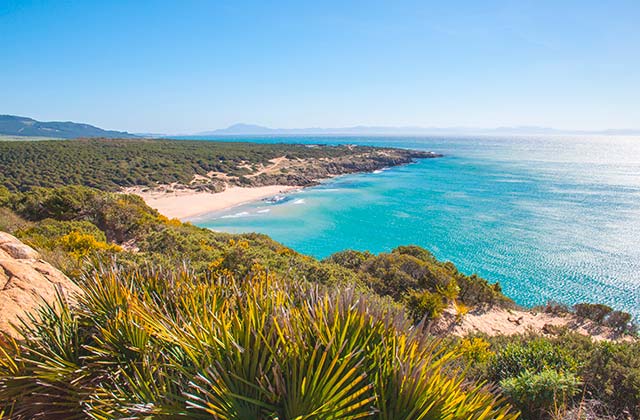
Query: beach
{"x": 186, "y": 203}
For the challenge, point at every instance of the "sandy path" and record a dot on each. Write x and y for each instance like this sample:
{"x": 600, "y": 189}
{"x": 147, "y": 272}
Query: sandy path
{"x": 499, "y": 321}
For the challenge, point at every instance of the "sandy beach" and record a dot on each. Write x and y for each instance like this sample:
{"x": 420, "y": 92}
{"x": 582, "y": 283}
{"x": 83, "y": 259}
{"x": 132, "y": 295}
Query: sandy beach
{"x": 184, "y": 204}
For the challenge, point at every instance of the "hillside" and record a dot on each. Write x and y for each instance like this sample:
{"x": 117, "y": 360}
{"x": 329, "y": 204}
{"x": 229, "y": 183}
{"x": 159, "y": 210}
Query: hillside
{"x": 203, "y": 165}
{"x": 12, "y": 125}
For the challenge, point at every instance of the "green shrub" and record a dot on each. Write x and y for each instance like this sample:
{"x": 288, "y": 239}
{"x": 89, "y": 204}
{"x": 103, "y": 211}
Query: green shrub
{"x": 424, "y": 305}
{"x": 63, "y": 203}
{"x": 532, "y": 356}
{"x": 537, "y": 395}
{"x": 350, "y": 259}
{"x": 417, "y": 252}
{"x": 609, "y": 371}
{"x": 475, "y": 350}
{"x": 5, "y": 196}
{"x": 474, "y": 290}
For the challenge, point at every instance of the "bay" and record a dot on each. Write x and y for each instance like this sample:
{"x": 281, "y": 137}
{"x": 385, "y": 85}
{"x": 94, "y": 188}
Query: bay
{"x": 550, "y": 218}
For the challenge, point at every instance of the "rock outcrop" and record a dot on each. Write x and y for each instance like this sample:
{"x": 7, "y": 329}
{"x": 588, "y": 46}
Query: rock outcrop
{"x": 26, "y": 281}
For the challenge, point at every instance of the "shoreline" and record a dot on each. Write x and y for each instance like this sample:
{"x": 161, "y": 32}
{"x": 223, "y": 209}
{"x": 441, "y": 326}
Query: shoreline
{"x": 187, "y": 203}
{"x": 184, "y": 203}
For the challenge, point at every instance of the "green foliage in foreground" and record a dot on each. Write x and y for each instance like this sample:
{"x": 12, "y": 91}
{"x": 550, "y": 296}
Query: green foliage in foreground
{"x": 548, "y": 376}
{"x": 153, "y": 345}
{"x": 536, "y": 394}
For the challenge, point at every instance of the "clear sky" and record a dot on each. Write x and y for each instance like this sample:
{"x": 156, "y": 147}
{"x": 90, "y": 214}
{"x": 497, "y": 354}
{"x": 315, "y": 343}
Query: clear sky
{"x": 188, "y": 66}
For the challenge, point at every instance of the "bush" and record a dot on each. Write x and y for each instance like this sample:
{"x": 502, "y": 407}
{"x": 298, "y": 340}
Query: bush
{"x": 475, "y": 290}
{"x": 609, "y": 371}
{"x": 350, "y": 259}
{"x": 417, "y": 252}
{"x": 538, "y": 394}
{"x": 594, "y": 311}
{"x": 80, "y": 244}
{"x": 47, "y": 232}
{"x": 424, "y": 305}
{"x": 5, "y": 196}
{"x": 475, "y": 350}
{"x": 621, "y": 322}
{"x": 534, "y": 356}
{"x": 63, "y": 203}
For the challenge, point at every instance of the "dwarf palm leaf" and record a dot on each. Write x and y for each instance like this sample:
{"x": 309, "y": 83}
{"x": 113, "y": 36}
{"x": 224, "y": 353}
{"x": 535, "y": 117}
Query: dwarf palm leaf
{"x": 318, "y": 385}
{"x": 47, "y": 375}
{"x": 161, "y": 345}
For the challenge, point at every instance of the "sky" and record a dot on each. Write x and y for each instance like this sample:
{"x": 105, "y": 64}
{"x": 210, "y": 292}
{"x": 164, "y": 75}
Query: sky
{"x": 187, "y": 66}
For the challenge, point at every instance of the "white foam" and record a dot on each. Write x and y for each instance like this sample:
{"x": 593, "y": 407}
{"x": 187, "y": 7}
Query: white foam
{"x": 275, "y": 199}
{"x": 234, "y": 216}
{"x": 264, "y": 211}
{"x": 299, "y": 201}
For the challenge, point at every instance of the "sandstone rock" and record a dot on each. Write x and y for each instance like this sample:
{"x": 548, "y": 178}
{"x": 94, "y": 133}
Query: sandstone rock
{"x": 16, "y": 249}
{"x": 26, "y": 282}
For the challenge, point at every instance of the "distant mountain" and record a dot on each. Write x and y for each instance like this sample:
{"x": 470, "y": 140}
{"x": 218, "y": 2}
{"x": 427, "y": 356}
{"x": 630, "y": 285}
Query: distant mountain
{"x": 252, "y": 129}
{"x": 11, "y": 125}
{"x": 242, "y": 129}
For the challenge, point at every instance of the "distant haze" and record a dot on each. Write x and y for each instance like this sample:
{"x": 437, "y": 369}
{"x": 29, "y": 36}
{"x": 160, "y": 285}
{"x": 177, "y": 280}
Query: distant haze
{"x": 252, "y": 129}
{"x": 11, "y": 125}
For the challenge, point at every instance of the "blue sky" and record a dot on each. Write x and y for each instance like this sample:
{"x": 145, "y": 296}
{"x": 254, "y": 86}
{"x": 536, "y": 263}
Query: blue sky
{"x": 188, "y": 66}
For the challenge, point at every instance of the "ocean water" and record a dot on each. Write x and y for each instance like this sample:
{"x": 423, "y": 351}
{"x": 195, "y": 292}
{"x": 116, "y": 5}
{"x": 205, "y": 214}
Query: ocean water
{"x": 550, "y": 218}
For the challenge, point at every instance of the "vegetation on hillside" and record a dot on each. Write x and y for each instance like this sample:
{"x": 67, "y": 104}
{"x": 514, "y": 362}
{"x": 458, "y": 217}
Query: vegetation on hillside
{"x": 109, "y": 164}
{"x": 179, "y": 321}
{"x": 564, "y": 375}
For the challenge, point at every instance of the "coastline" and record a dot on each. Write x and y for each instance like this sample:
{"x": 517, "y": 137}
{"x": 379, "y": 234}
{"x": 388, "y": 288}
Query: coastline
{"x": 186, "y": 203}
{"x": 183, "y": 202}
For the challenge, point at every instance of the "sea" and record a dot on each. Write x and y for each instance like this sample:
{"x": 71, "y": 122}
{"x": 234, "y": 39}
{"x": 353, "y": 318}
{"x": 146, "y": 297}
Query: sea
{"x": 550, "y": 218}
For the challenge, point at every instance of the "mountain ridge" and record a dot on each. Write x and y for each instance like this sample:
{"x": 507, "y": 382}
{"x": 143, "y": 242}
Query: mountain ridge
{"x": 254, "y": 129}
{"x": 13, "y": 125}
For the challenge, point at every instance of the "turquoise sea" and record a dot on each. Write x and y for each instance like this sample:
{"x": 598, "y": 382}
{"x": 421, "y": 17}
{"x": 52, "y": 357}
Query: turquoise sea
{"x": 550, "y": 218}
